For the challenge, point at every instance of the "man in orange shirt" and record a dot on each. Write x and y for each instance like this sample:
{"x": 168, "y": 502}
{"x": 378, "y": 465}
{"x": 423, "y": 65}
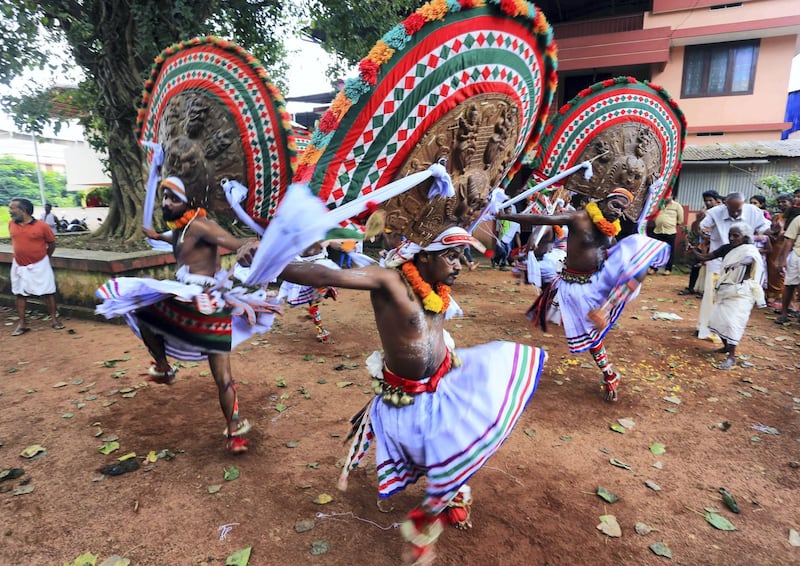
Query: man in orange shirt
{"x": 33, "y": 243}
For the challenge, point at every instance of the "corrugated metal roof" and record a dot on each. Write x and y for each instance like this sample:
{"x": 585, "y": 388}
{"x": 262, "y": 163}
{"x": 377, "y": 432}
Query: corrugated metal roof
{"x": 743, "y": 150}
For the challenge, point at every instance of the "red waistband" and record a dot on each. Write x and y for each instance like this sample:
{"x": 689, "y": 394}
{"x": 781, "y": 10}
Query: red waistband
{"x": 413, "y": 387}
{"x": 576, "y": 272}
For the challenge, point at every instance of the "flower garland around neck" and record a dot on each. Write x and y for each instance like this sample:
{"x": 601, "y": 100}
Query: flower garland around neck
{"x": 187, "y": 217}
{"x": 610, "y": 229}
{"x": 435, "y": 301}
{"x": 558, "y": 231}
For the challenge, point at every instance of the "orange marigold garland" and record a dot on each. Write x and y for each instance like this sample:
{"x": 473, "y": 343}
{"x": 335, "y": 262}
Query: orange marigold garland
{"x": 187, "y": 217}
{"x": 558, "y": 231}
{"x": 610, "y": 229}
{"x": 437, "y": 301}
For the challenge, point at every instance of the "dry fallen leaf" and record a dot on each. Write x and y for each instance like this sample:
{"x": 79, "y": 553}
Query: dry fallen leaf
{"x": 323, "y": 499}
{"x": 33, "y": 450}
{"x": 609, "y": 526}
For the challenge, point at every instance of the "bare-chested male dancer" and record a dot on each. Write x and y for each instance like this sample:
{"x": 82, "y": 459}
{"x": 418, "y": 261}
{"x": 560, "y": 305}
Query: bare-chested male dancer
{"x": 439, "y": 412}
{"x": 600, "y": 275}
{"x": 190, "y": 319}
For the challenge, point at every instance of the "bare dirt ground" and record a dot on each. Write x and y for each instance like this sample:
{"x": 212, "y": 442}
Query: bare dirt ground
{"x": 535, "y": 500}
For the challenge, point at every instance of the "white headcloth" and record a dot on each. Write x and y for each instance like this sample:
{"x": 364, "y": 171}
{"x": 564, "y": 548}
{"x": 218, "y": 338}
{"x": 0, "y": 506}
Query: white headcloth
{"x": 449, "y": 238}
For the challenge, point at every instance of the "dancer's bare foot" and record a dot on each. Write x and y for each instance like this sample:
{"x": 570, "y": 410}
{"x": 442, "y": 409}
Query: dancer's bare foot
{"x": 458, "y": 511}
{"x": 236, "y": 445}
{"x": 722, "y": 350}
{"x": 420, "y": 531}
{"x": 165, "y": 375}
{"x": 418, "y": 556}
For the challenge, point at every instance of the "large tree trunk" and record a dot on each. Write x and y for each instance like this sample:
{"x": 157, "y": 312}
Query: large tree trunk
{"x": 119, "y": 81}
{"x": 116, "y": 53}
{"x": 124, "y": 220}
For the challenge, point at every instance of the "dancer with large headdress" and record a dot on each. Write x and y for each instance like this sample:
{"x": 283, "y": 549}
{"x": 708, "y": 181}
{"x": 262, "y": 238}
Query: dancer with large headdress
{"x": 209, "y": 117}
{"x": 633, "y": 134}
{"x": 460, "y": 92}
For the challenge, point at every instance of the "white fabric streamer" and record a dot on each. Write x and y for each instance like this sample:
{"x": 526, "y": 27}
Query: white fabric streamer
{"x": 235, "y": 193}
{"x": 361, "y": 260}
{"x": 150, "y": 196}
{"x": 492, "y": 205}
{"x": 303, "y": 219}
{"x": 641, "y": 222}
{"x": 442, "y": 184}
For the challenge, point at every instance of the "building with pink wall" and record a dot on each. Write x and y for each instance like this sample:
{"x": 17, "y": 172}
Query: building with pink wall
{"x": 726, "y": 63}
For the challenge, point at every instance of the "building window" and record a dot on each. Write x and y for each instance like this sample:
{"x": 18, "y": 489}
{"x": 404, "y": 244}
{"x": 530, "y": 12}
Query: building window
{"x": 719, "y": 69}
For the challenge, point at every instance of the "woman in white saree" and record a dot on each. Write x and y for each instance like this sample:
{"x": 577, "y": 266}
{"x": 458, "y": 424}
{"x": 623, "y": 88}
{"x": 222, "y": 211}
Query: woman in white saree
{"x": 738, "y": 288}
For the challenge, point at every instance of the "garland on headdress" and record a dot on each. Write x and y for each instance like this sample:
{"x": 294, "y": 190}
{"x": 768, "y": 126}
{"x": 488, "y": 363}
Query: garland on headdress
{"x": 610, "y": 229}
{"x": 187, "y": 217}
{"x": 396, "y": 39}
{"x": 437, "y": 301}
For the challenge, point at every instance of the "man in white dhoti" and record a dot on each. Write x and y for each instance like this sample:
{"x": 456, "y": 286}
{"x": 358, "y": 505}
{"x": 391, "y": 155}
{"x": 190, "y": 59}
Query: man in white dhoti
{"x": 738, "y": 288}
{"x": 33, "y": 243}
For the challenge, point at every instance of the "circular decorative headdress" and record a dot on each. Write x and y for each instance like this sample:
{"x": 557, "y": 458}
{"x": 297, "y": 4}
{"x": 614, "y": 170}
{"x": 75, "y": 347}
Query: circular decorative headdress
{"x": 457, "y": 82}
{"x": 633, "y": 133}
{"x": 209, "y": 104}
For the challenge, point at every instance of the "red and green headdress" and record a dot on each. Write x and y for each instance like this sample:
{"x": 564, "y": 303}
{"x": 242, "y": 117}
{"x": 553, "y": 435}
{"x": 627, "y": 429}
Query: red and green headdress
{"x": 257, "y": 145}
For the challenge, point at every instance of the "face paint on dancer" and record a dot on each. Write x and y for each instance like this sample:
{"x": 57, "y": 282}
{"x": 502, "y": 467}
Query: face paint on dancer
{"x": 613, "y": 207}
{"x": 446, "y": 265}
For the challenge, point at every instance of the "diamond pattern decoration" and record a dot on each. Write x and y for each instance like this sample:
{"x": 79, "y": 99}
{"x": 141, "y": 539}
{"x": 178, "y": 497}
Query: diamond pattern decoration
{"x": 371, "y": 161}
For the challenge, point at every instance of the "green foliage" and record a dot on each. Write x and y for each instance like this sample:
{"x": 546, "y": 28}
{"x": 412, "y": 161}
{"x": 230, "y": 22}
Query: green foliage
{"x": 258, "y": 26}
{"x": 103, "y": 193}
{"x": 18, "y": 179}
{"x": 5, "y": 218}
{"x": 114, "y": 42}
{"x": 21, "y": 46}
{"x": 777, "y": 184}
{"x": 773, "y": 185}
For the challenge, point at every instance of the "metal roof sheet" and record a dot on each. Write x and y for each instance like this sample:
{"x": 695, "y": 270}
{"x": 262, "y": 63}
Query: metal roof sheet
{"x": 742, "y": 150}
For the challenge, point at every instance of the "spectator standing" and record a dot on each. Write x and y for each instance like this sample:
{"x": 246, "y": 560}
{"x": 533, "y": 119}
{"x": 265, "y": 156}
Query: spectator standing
{"x": 694, "y": 239}
{"x": 794, "y": 210}
{"x": 790, "y": 260}
{"x": 715, "y": 227}
{"x": 737, "y": 289}
{"x": 49, "y": 218}
{"x": 774, "y": 274}
{"x": 666, "y": 227}
{"x": 33, "y": 243}
{"x": 508, "y": 238}
{"x": 761, "y": 202}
